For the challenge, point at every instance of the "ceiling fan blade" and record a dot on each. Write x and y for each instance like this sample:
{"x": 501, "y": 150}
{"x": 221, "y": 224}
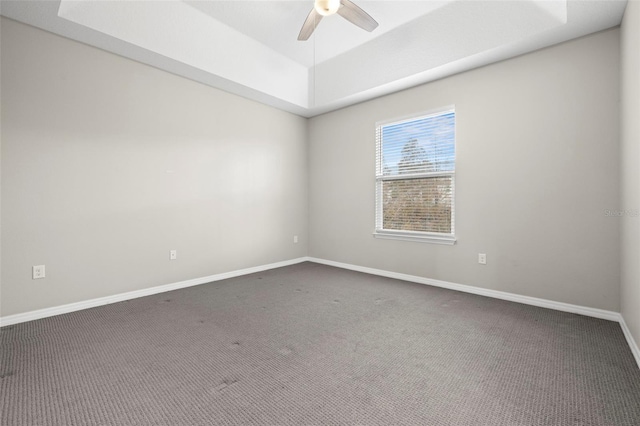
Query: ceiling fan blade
{"x": 309, "y": 25}
{"x": 354, "y": 14}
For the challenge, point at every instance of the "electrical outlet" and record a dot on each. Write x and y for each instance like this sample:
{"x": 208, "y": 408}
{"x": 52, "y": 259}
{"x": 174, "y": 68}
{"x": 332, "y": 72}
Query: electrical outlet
{"x": 295, "y": 239}
{"x": 482, "y": 258}
{"x": 38, "y": 272}
{"x": 173, "y": 254}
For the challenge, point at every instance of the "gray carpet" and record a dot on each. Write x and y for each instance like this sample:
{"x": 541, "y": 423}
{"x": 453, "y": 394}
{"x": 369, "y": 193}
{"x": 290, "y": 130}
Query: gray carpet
{"x": 314, "y": 345}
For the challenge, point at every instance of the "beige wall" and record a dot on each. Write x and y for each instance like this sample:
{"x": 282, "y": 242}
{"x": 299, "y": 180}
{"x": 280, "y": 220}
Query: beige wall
{"x": 630, "y": 165}
{"x": 537, "y": 166}
{"x": 1, "y": 22}
{"x": 108, "y": 164}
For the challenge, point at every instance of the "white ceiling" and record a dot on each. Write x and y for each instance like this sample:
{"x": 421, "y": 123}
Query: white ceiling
{"x": 250, "y": 47}
{"x": 334, "y": 35}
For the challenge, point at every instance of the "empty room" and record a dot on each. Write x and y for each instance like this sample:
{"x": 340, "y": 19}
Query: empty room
{"x": 320, "y": 212}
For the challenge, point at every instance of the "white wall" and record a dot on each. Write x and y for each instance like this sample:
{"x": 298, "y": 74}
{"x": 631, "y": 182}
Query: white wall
{"x": 107, "y": 164}
{"x": 537, "y": 166}
{"x": 630, "y": 165}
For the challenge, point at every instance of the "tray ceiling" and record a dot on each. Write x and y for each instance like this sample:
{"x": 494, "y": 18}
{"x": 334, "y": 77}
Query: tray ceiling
{"x": 250, "y": 47}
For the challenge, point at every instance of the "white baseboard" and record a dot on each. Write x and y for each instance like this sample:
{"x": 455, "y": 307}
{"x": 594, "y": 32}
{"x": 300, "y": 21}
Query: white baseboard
{"x": 632, "y": 343}
{"x": 543, "y": 303}
{"x": 527, "y": 300}
{"x": 92, "y": 303}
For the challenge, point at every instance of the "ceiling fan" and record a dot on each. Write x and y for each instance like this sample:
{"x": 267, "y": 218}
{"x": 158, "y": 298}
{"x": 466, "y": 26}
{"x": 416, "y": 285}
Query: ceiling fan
{"x": 345, "y": 8}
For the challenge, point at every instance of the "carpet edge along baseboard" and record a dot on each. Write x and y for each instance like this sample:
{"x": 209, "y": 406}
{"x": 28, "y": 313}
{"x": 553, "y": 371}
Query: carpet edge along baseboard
{"x": 101, "y": 301}
{"x": 527, "y": 300}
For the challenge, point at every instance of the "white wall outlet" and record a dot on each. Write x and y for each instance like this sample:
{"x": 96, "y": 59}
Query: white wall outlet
{"x": 482, "y": 258}
{"x": 295, "y": 239}
{"x": 38, "y": 272}
{"x": 173, "y": 254}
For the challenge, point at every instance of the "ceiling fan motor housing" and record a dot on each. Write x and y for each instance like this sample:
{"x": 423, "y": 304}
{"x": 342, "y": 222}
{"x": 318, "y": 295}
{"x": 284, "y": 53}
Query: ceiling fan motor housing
{"x": 327, "y": 7}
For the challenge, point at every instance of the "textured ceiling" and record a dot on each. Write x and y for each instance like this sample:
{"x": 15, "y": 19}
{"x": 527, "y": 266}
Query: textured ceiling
{"x": 250, "y": 47}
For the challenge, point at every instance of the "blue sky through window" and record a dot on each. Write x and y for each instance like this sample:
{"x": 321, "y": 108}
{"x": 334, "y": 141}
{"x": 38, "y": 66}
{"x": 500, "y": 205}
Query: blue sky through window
{"x": 435, "y": 135}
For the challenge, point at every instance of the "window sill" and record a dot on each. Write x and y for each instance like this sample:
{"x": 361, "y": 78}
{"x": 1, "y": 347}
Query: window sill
{"x": 416, "y": 237}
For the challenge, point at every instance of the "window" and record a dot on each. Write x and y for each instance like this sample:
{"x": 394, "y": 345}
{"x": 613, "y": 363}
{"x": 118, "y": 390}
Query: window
{"x": 415, "y": 178}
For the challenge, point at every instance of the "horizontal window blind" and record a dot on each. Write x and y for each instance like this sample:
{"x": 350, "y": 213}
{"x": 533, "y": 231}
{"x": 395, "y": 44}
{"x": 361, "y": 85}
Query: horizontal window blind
{"x": 415, "y": 174}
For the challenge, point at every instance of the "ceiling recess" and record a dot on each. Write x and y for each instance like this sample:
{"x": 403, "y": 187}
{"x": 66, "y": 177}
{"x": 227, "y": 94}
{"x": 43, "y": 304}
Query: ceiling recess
{"x": 250, "y": 47}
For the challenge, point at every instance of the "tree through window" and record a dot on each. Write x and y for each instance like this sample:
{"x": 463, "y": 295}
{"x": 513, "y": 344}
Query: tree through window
{"x": 415, "y": 177}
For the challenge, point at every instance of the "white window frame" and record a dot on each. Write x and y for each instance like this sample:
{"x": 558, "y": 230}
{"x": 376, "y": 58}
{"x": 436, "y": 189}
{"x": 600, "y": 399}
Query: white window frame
{"x": 392, "y": 234}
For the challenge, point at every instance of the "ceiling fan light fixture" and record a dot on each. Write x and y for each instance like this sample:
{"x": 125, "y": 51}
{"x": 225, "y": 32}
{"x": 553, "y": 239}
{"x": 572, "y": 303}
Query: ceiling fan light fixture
{"x": 345, "y": 8}
{"x": 326, "y": 7}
